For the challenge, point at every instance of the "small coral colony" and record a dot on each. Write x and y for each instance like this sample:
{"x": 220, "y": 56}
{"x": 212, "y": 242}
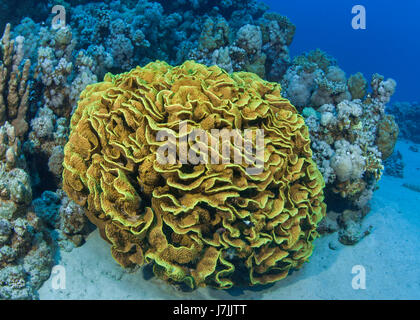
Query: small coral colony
{"x": 82, "y": 105}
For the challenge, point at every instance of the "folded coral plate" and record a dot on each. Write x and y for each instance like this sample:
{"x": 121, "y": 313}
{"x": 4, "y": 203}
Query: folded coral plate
{"x": 200, "y": 224}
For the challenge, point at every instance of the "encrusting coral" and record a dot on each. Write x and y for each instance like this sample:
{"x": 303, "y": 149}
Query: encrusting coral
{"x": 204, "y": 224}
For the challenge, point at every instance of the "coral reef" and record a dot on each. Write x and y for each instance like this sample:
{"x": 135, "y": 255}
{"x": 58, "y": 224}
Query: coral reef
{"x": 25, "y": 255}
{"x": 346, "y": 150}
{"x": 394, "y": 165}
{"x": 236, "y": 35}
{"x": 206, "y": 224}
{"x": 12, "y": 11}
{"x": 314, "y": 79}
{"x": 65, "y": 219}
{"x": 407, "y": 116}
{"x": 350, "y": 132}
{"x": 62, "y": 71}
{"x": 44, "y": 70}
{"x": 27, "y": 229}
{"x": 261, "y": 48}
{"x": 350, "y": 137}
{"x": 114, "y": 36}
{"x": 14, "y": 84}
{"x": 27, "y": 240}
{"x": 44, "y": 148}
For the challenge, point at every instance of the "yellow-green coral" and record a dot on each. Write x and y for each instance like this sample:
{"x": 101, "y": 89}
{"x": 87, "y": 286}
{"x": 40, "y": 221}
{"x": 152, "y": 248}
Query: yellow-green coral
{"x": 208, "y": 224}
{"x": 357, "y": 86}
{"x": 387, "y": 136}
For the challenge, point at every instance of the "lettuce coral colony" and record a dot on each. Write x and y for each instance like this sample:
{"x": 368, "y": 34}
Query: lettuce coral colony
{"x": 208, "y": 224}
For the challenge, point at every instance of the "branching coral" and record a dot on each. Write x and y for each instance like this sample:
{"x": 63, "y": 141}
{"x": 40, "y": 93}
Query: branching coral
{"x": 14, "y": 84}
{"x": 205, "y": 224}
{"x": 10, "y": 151}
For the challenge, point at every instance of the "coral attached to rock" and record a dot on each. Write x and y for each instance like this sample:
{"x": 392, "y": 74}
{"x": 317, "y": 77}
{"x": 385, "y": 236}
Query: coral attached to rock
{"x": 204, "y": 224}
{"x": 25, "y": 255}
{"x": 350, "y": 139}
{"x": 351, "y": 133}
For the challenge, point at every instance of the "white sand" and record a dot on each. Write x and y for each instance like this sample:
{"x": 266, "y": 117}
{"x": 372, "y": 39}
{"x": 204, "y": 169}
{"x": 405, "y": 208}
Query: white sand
{"x": 390, "y": 256}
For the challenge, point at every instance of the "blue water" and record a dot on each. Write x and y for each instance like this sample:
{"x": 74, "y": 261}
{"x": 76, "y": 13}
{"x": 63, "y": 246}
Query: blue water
{"x": 390, "y": 45}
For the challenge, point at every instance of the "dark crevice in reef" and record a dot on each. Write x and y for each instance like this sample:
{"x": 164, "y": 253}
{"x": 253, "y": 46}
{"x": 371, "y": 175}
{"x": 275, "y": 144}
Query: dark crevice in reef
{"x": 42, "y": 179}
{"x": 334, "y": 201}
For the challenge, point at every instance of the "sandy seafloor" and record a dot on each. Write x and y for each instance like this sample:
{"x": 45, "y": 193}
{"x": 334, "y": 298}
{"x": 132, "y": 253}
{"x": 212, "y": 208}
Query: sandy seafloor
{"x": 390, "y": 256}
